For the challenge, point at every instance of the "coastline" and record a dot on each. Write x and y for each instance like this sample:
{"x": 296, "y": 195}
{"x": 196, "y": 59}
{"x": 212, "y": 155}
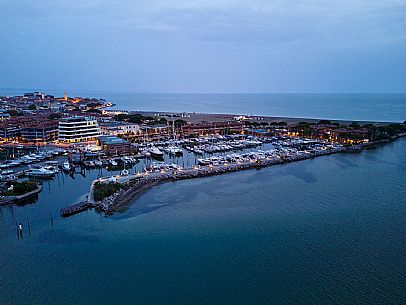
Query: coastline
{"x": 136, "y": 185}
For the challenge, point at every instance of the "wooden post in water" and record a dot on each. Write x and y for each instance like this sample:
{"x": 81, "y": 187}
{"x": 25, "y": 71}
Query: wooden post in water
{"x": 29, "y": 226}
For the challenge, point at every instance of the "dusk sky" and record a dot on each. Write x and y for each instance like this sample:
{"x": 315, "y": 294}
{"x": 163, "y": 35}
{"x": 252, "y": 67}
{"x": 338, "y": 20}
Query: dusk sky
{"x": 204, "y": 46}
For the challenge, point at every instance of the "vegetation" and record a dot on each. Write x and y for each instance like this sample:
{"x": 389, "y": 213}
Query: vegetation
{"x": 20, "y": 188}
{"x": 325, "y": 122}
{"x": 179, "y": 123}
{"x": 138, "y": 118}
{"x": 13, "y": 113}
{"x": 355, "y": 125}
{"x": 94, "y": 110}
{"x": 104, "y": 190}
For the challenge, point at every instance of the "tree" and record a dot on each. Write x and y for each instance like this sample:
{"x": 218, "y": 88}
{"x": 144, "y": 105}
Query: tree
{"x": 94, "y": 110}
{"x": 32, "y": 107}
{"x": 136, "y": 119}
{"x": 180, "y": 123}
{"x": 324, "y": 122}
{"x": 13, "y": 112}
{"x": 121, "y": 117}
{"x": 355, "y": 125}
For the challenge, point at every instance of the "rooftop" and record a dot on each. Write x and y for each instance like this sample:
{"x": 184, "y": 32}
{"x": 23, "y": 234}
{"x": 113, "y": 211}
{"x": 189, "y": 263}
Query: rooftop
{"x": 111, "y": 140}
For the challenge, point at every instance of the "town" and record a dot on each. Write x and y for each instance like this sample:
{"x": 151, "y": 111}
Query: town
{"x": 41, "y": 135}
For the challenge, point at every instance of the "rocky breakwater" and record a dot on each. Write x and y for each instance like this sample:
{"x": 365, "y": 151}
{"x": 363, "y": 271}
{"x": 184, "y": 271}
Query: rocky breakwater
{"x": 137, "y": 184}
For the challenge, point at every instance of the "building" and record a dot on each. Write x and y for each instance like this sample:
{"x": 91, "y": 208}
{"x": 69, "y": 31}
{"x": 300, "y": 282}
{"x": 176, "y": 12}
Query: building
{"x": 42, "y": 131}
{"x": 9, "y": 131}
{"x": 78, "y": 129}
{"x": 113, "y": 112}
{"x": 4, "y": 116}
{"x": 112, "y": 145}
{"x": 221, "y": 128}
{"x": 115, "y": 128}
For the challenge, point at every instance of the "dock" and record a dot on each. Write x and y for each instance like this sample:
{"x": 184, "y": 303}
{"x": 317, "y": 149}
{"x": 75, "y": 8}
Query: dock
{"x": 76, "y": 208}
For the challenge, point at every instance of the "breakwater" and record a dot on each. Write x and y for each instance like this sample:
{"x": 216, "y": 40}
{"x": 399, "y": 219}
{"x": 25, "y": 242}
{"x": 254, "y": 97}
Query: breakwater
{"x": 137, "y": 184}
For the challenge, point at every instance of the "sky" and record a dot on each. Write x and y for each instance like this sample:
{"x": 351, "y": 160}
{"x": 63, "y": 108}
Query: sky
{"x": 211, "y": 46}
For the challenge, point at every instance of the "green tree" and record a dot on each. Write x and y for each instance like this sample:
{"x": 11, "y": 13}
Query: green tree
{"x": 13, "y": 113}
{"x": 324, "y": 122}
{"x": 179, "y": 123}
{"x": 32, "y": 107}
{"x": 355, "y": 125}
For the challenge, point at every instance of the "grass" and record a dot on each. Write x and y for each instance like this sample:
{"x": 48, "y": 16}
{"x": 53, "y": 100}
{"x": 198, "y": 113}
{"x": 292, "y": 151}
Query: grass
{"x": 104, "y": 190}
{"x": 21, "y": 188}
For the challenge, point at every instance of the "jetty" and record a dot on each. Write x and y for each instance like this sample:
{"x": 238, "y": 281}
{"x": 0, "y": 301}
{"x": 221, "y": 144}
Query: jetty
{"x": 134, "y": 185}
{"x": 76, "y": 208}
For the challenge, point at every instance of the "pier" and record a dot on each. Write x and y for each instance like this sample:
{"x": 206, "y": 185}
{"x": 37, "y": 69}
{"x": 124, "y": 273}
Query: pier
{"x": 76, "y": 208}
{"x": 134, "y": 185}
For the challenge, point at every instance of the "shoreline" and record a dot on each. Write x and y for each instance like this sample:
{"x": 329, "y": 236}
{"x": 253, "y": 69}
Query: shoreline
{"x": 136, "y": 185}
{"x": 211, "y": 117}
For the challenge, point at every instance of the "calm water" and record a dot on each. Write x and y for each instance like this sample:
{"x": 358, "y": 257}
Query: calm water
{"x": 373, "y": 106}
{"x": 331, "y": 230}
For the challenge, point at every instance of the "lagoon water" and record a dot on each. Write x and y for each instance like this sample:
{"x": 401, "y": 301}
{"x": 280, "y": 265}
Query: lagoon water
{"x": 330, "y": 230}
{"x": 386, "y": 107}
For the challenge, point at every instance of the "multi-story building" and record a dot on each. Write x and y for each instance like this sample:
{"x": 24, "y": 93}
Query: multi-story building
{"x": 212, "y": 128}
{"x": 78, "y": 129}
{"x": 44, "y": 131}
{"x": 113, "y": 145}
{"x": 115, "y": 128}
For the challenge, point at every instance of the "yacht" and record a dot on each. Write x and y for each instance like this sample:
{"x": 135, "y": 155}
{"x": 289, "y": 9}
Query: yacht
{"x": 156, "y": 153}
{"x": 40, "y": 172}
{"x": 7, "y": 172}
{"x": 175, "y": 151}
{"x": 66, "y": 166}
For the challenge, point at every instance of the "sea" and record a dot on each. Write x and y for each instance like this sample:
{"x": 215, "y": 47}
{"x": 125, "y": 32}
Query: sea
{"x": 328, "y": 230}
{"x": 384, "y": 107}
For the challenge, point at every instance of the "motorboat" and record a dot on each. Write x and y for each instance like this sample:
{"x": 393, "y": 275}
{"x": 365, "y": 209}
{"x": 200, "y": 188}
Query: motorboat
{"x": 66, "y": 166}
{"x": 156, "y": 153}
{"x": 40, "y": 172}
{"x": 175, "y": 151}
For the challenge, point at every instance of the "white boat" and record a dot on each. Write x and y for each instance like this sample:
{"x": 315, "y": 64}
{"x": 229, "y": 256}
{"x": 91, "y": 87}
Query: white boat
{"x": 98, "y": 163}
{"x": 155, "y": 152}
{"x": 66, "y": 166}
{"x": 125, "y": 172}
{"x": 7, "y": 172}
{"x": 113, "y": 162}
{"x": 175, "y": 151}
{"x": 40, "y": 172}
{"x": 14, "y": 163}
{"x": 52, "y": 168}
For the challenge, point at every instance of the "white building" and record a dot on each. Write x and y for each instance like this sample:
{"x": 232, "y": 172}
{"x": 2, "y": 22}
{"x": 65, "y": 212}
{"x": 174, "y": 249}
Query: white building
{"x": 115, "y": 128}
{"x": 78, "y": 129}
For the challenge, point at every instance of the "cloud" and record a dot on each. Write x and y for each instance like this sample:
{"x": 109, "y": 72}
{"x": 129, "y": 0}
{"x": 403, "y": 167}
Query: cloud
{"x": 215, "y": 42}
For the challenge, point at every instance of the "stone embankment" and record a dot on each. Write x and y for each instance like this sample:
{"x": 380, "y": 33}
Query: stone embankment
{"x": 15, "y": 199}
{"x": 139, "y": 184}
